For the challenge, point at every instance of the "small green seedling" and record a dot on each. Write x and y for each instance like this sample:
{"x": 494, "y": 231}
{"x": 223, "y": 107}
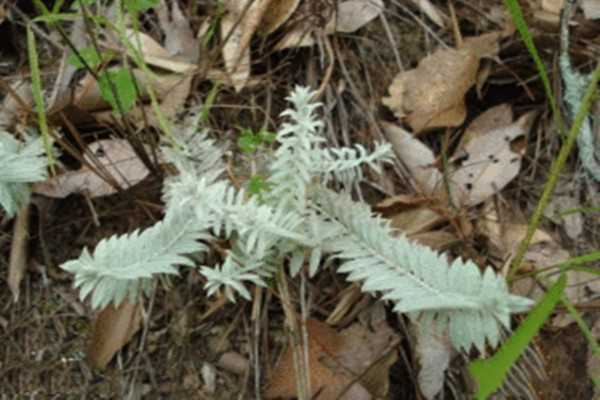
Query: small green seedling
{"x": 249, "y": 142}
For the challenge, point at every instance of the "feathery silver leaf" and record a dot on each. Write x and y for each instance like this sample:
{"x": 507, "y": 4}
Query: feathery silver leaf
{"x": 20, "y": 165}
{"x": 417, "y": 279}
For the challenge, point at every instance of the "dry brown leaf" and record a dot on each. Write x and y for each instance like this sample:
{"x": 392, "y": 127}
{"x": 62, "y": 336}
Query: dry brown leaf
{"x": 155, "y": 54}
{"x": 552, "y": 6}
{"x": 237, "y": 28}
{"x": 180, "y": 41}
{"x": 506, "y": 236}
{"x": 279, "y": 12}
{"x": 233, "y": 362}
{"x": 333, "y": 357}
{"x": 591, "y": 8}
{"x": 323, "y": 341}
{"x": 88, "y": 96}
{"x": 180, "y": 52}
{"x": 489, "y": 162}
{"x": 347, "y": 16}
{"x": 432, "y": 95}
{"x": 417, "y": 157}
{"x": 113, "y": 328}
{"x": 434, "y": 352}
{"x": 368, "y": 353}
{"x": 543, "y": 252}
{"x": 60, "y": 97}
{"x": 117, "y": 160}
{"x": 354, "y": 14}
{"x": 430, "y": 11}
{"x": 16, "y": 105}
{"x": 581, "y": 286}
{"x": 486, "y": 45}
{"x": 17, "y": 264}
{"x": 562, "y": 200}
{"x": 398, "y": 203}
{"x": 182, "y": 47}
{"x": 416, "y": 220}
{"x": 437, "y": 240}
{"x": 488, "y": 121}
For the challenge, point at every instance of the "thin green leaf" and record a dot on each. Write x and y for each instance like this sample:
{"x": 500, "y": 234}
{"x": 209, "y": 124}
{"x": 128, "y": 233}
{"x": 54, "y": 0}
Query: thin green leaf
{"x": 519, "y": 20}
{"x": 55, "y": 18}
{"x": 140, "y": 5}
{"x": 489, "y": 374}
{"x": 209, "y": 102}
{"x": 587, "y": 332}
{"x": 124, "y": 87}
{"x": 90, "y": 56}
{"x": 556, "y": 167}
{"x": 38, "y": 96}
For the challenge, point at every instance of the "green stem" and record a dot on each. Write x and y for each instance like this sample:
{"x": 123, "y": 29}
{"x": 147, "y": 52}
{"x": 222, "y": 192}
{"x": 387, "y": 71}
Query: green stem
{"x": 555, "y": 169}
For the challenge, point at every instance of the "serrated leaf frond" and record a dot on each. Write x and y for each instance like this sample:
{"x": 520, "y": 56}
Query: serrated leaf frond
{"x": 118, "y": 263}
{"x": 20, "y": 164}
{"x": 416, "y": 278}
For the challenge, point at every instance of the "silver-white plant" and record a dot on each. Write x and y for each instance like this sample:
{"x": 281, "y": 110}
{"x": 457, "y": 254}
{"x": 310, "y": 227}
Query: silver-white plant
{"x": 21, "y": 163}
{"x": 297, "y": 221}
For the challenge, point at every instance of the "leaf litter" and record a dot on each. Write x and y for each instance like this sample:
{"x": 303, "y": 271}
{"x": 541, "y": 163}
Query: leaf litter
{"x": 421, "y": 222}
{"x": 111, "y": 165}
{"x": 352, "y": 364}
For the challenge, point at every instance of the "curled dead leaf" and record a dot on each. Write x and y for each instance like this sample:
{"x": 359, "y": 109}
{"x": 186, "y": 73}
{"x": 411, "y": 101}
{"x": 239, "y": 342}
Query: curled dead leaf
{"x": 17, "y": 264}
{"x": 237, "y": 29}
{"x": 416, "y": 156}
{"x": 432, "y": 95}
{"x": 279, "y": 12}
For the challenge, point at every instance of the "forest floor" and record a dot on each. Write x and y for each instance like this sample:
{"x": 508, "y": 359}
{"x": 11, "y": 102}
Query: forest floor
{"x": 383, "y": 72}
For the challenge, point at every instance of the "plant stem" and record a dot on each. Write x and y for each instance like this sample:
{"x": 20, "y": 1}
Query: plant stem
{"x": 555, "y": 169}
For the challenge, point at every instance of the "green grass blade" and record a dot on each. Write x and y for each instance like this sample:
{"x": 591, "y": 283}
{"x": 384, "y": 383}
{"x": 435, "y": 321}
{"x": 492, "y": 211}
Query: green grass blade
{"x": 583, "y": 210}
{"x": 584, "y": 259}
{"x": 490, "y": 373}
{"x": 38, "y": 95}
{"x": 519, "y": 20}
{"x": 209, "y": 102}
{"x": 587, "y": 332}
{"x": 556, "y": 167}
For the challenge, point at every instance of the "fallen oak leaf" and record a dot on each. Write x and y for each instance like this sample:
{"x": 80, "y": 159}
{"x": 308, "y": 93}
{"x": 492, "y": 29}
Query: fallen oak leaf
{"x": 323, "y": 342}
{"x": 432, "y": 94}
{"x": 350, "y": 365}
{"x": 489, "y": 162}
